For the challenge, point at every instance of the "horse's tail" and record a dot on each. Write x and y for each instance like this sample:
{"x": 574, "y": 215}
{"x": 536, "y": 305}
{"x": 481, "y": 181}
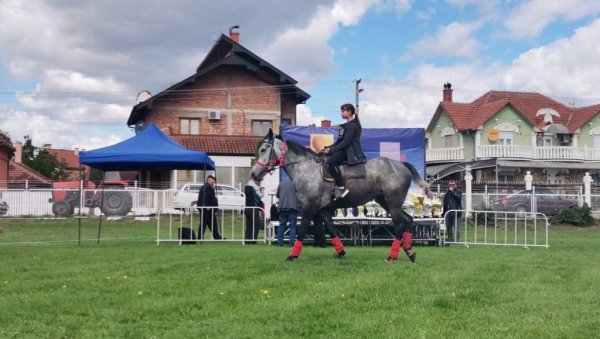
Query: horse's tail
{"x": 416, "y": 177}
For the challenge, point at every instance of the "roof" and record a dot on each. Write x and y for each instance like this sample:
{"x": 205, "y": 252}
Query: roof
{"x": 65, "y": 155}
{"x": 470, "y": 116}
{"x": 225, "y": 52}
{"x": 18, "y": 172}
{"x": 220, "y": 144}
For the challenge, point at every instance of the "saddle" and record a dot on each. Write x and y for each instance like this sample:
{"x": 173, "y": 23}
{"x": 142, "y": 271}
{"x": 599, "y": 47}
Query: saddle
{"x": 348, "y": 171}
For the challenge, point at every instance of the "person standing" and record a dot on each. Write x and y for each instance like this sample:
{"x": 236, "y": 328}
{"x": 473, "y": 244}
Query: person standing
{"x": 288, "y": 211}
{"x": 252, "y": 214}
{"x": 452, "y": 201}
{"x": 208, "y": 207}
{"x": 346, "y": 148}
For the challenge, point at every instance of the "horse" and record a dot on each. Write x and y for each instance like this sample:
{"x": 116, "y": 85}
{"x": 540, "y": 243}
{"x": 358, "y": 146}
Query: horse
{"x": 386, "y": 181}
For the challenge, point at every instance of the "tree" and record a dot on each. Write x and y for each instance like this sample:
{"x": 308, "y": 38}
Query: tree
{"x": 43, "y": 162}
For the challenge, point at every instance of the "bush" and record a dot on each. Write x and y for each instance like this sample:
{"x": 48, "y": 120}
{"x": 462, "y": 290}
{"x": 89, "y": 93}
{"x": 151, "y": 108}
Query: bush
{"x": 578, "y": 216}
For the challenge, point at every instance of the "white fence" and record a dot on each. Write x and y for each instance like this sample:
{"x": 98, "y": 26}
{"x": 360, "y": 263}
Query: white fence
{"x": 496, "y": 228}
{"x": 231, "y": 226}
{"x": 35, "y": 202}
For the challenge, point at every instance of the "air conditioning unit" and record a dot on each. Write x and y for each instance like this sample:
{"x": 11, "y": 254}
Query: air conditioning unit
{"x": 214, "y": 115}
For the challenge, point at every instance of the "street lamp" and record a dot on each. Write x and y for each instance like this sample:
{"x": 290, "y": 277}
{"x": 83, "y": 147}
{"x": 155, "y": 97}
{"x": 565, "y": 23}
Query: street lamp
{"x": 357, "y": 91}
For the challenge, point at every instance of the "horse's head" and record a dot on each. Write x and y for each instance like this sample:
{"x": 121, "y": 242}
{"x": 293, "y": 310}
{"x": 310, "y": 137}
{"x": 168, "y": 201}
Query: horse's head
{"x": 269, "y": 156}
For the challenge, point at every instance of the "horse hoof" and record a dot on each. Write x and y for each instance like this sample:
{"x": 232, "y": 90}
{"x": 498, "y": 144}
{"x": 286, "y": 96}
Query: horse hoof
{"x": 341, "y": 255}
{"x": 291, "y": 258}
{"x": 413, "y": 256}
{"x": 390, "y": 259}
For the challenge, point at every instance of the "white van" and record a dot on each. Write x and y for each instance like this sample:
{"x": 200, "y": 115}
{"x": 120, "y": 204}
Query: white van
{"x": 229, "y": 198}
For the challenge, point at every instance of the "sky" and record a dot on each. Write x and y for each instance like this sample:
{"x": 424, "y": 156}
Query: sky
{"x": 70, "y": 71}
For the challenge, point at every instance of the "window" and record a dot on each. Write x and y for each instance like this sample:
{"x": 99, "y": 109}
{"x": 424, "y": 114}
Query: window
{"x": 448, "y": 141}
{"x": 189, "y": 126}
{"x": 596, "y": 140}
{"x": 224, "y": 175}
{"x": 507, "y": 176}
{"x": 261, "y": 127}
{"x": 286, "y": 122}
{"x": 505, "y": 138}
{"x": 544, "y": 141}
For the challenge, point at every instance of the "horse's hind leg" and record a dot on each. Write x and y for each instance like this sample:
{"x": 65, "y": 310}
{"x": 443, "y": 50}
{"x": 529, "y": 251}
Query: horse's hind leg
{"x": 402, "y": 235}
{"x": 335, "y": 239}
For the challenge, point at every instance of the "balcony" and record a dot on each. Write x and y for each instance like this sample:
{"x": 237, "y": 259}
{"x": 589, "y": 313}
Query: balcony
{"x": 446, "y": 154}
{"x": 536, "y": 153}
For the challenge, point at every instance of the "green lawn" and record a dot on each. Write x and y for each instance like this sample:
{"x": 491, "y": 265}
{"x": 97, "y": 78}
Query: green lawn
{"x": 130, "y": 287}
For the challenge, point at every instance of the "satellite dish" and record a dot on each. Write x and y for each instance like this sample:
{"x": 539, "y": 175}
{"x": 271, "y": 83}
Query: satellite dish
{"x": 547, "y": 113}
{"x": 143, "y": 96}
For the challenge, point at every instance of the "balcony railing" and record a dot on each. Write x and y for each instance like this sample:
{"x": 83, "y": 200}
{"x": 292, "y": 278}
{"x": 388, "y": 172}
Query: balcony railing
{"x": 445, "y": 154}
{"x": 537, "y": 153}
{"x": 516, "y": 151}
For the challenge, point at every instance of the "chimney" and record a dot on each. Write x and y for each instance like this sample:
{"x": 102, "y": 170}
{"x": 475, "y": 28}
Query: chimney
{"x": 447, "y": 92}
{"x": 47, "y": 146}
{"x": 325, "y": 123}
{"x": 18, "y": 152}
{"x": 235, "y": 36}
{"x": 76, "y": 151}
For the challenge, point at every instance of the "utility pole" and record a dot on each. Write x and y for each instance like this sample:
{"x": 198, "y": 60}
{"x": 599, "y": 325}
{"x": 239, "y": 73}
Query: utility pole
{"x": 357, "y": 91}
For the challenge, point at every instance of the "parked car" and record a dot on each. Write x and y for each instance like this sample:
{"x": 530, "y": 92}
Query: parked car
{"x": 547, "y": 202}
{"x": 3, "y": 207}
{"x": 229, "y": 197}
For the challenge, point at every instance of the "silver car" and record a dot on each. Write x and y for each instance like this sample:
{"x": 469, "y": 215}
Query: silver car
{"x": 229, "y": 197}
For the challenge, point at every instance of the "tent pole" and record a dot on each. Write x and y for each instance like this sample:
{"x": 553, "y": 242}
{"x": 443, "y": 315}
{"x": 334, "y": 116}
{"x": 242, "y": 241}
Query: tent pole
{"x": 100, "y": 219}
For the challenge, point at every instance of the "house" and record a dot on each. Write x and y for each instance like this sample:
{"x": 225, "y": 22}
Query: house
{"x": 6, "y": 153}
{"x": 502, "y": 135}
{"x": 224, "y": 109}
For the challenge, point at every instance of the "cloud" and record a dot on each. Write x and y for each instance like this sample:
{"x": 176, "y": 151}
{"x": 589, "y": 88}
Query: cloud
{"x": 529, "y": 19}
{"x": 453, "y": 40}
{"x": 305, "y": 117}
{"x": 313, "y": 58}
{"x": 90, "y": 59}
{"x": 566, "y": 68}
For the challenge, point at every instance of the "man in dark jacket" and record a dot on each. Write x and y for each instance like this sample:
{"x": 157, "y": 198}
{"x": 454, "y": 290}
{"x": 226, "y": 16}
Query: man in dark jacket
{"x": 288, "y": 211}
{"x": 207, "y": 198}
{"x": 252, "y": 214}
{"x": 452, "y": 201}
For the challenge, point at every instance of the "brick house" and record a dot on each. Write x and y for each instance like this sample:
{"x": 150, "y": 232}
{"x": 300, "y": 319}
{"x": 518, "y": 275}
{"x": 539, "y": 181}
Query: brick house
{"x": 224, "y": 109}
{"x": 502, "y": 135}
{"x": 6, "y": 153}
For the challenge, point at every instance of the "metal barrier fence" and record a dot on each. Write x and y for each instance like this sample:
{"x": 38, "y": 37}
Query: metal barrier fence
{"x": 181, "y": 226}
{"x": 495, "y": 228}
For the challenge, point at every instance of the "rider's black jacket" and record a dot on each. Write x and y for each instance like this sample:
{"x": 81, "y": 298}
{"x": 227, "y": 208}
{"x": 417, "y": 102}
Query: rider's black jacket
{"x": 349, "y": 141}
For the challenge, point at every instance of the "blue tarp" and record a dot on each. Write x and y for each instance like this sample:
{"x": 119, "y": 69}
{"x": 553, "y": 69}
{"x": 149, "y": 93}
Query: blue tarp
{"x": 404, "y": 144}
{"x": 149, "y": 150}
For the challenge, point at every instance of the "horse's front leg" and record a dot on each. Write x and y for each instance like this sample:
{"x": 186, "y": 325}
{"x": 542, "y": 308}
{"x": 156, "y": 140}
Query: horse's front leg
{"x": 297, "y": 247}
{"x": 335, "y": 239}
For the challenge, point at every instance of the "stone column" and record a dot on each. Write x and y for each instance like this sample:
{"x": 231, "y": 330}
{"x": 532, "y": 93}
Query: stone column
{"x": 587, "y": 189}
{"x": 528, "y": 180}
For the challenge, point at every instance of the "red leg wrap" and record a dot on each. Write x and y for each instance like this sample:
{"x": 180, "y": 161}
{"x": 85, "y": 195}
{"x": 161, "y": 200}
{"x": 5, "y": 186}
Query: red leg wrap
{"x": 395, "y": 248}
{"x": 406, "y": 240}
{"x": 337, "y": 243}
{"x": 297, "y": 248}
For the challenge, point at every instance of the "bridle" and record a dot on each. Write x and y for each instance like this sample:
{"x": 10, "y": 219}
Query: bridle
{"x": 273, "y": 161}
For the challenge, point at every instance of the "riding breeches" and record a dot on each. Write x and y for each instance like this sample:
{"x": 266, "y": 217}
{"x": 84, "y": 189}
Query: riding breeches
{"x": 335, "y": 160}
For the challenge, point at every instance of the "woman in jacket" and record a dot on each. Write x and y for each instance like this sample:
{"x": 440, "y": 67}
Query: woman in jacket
{"x": 346, "y": 148}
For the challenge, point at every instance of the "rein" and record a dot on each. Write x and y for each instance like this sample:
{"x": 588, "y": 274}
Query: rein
{"x": 274, "y": 161}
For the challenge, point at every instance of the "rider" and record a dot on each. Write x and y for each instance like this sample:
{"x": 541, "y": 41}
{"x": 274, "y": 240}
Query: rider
{"x": 346, "y": 148}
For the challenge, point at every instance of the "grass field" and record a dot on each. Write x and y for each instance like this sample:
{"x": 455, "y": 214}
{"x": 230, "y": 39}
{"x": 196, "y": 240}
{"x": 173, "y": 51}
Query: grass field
{"x": 132, "y": 288}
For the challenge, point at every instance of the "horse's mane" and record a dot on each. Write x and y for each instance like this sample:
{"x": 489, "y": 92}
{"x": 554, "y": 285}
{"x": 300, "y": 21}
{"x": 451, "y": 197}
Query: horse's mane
{"x": 299, "y": 149}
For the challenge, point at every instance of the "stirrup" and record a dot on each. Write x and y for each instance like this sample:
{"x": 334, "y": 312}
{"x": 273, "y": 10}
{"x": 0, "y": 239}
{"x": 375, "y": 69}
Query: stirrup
{"x": 340, "y": 194}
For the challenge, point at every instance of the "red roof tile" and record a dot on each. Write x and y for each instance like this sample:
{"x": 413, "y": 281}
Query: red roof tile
{"x": 67, "y": 156}
{"x": 19, "y": 172}
{"x": 472, "y": 115}
{"x": 219, "y": 144}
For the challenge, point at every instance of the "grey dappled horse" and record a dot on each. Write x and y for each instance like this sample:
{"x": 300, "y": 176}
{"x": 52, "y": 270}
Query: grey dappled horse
{"x": 387, "y": 182}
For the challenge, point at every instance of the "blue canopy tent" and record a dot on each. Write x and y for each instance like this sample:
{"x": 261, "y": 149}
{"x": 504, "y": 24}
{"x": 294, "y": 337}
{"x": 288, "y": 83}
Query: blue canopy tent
{"x": 149, "y": 150}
